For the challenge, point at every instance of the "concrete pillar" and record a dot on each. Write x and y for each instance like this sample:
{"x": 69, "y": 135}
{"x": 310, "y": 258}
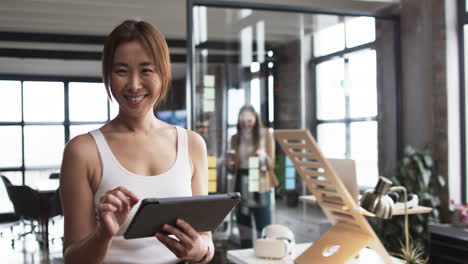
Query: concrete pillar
{"x": 423, "y": 82}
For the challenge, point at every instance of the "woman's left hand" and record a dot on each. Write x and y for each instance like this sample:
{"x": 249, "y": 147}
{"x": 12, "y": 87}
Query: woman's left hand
{"x": 191, "y": 246}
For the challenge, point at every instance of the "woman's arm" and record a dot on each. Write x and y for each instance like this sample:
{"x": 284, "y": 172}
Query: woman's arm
{"x": 199, "y": 159}
{"x": 193, "y": 246}
{"x": 85, "y": 241}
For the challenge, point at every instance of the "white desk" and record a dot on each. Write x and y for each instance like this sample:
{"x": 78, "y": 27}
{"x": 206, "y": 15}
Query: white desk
{"x": 247, "y": 256}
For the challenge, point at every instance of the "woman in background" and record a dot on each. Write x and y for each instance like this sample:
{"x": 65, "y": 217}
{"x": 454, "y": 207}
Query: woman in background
{"x": 252, "y": 140}
{"x": 106, "y": 172}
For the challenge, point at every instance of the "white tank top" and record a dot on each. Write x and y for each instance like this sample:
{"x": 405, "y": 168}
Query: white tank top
{"x": 174, "y": 182}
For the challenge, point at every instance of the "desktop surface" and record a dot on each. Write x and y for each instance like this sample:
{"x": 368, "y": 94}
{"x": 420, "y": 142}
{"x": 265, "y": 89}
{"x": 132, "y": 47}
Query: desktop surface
{"x": 247, "y": 256}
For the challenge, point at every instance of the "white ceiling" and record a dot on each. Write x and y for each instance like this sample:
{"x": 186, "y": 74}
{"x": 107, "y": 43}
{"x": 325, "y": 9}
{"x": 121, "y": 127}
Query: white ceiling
{"x": 98, "y": 17}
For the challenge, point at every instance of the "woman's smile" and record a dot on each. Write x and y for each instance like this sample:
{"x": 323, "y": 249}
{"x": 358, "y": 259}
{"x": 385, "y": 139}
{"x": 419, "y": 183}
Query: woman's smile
{"x": 132, "y": 99}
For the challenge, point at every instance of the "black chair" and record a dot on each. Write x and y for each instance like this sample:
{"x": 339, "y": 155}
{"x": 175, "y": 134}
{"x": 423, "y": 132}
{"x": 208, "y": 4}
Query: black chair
{"x": 54, "y": 176}
{"x": 26, "y": 202}
{"x": 7, "y": 220}
{"x": 56, "y": 204}
{"x": 6, "y": 181}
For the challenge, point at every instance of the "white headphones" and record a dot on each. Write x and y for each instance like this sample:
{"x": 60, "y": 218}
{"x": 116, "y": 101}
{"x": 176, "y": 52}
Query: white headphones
{"x": 276, "y": 242}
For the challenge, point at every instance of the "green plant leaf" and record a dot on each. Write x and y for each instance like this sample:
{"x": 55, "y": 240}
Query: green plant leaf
{"x": 441, "y": 181}
{"x": 428, "y": 160}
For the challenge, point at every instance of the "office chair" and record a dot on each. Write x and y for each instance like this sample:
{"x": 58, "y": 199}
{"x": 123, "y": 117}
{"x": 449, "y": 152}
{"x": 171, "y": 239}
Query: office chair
{"x": 54, "y": 176}
{"x": 8, "y": 219}
{"x": 26, "y": 202}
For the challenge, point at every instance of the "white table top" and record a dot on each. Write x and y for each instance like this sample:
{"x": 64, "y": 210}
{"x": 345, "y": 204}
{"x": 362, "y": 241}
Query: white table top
{"x": 247, "y": 256}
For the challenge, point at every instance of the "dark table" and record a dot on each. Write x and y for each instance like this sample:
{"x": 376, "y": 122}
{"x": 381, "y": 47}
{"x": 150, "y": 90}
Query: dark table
{"x": 46, "y": 190}
{"x": 44, "y": 197}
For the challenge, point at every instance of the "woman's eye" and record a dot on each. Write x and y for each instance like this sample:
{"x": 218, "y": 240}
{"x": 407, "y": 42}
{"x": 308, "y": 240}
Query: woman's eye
{"x": 120, "y": 71}
{"x": 147, "y": 70}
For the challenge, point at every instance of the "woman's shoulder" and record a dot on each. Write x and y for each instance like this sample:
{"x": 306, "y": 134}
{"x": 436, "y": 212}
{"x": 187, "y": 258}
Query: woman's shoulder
{"x": 194, "y": 139}
{"x": 80, "y": 147}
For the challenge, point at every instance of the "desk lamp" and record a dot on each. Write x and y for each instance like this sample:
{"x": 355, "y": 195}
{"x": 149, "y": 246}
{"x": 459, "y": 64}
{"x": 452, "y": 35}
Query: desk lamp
{"x": 379, "y": 204}
{"x": 350, "y": 231}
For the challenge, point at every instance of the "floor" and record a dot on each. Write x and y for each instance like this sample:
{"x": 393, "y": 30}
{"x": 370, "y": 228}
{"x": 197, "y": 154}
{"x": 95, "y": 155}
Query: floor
{"x": 306, "y": 221}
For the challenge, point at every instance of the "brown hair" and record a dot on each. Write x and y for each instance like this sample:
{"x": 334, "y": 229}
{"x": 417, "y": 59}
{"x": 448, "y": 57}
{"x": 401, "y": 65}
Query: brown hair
{"x": 148, "y": 36}
{"x": 257, "y": 127}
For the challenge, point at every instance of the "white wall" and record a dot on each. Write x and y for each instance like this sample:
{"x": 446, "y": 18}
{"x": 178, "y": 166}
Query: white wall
{"x": 453, "y": 102}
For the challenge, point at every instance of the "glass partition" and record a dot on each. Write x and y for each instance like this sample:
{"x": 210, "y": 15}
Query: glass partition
{"x": 297, "y": 68}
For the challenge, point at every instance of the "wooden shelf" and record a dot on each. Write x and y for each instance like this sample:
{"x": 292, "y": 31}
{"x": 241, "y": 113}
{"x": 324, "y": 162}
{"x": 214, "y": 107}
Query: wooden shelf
{"x": 415, "y": 210}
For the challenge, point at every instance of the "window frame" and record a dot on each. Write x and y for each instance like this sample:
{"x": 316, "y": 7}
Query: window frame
{"x": 347, "y": 121}
{"x": 66, "y": 123}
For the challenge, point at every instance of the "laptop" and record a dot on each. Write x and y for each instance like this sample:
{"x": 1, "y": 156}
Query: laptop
{"x": 346, "y": 170}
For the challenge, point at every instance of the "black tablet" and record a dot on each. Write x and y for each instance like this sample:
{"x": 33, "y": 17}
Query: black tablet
{"x": 204, "y": 213}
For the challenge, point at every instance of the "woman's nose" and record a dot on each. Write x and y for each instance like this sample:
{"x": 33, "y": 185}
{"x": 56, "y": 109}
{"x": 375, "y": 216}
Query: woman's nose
{"x": 134, "y": 82}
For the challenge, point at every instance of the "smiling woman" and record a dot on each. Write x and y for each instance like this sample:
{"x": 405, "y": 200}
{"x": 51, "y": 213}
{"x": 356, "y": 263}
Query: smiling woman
{"x": 134, "y": 81}
{"x": 107, "y": 171}
{"x": 150, "y": 39}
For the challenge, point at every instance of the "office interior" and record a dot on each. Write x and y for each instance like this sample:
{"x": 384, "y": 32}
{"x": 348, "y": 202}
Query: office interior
{"x": 379, "y": 82}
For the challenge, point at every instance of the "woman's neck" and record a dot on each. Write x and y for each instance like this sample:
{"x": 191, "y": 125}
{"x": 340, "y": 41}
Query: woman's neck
{"x": 246, "y": 134}
{"x": 143, "y": 124}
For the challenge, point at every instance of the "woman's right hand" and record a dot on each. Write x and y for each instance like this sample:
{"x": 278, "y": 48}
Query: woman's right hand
{"x": 113, "y": 209}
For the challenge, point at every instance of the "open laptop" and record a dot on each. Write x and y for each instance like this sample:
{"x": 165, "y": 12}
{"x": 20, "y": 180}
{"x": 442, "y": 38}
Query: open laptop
{"x": 346, "y": 170}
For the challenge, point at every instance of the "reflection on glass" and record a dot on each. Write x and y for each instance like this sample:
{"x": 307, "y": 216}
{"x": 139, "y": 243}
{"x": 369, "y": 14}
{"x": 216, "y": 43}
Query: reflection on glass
{"x": 254, "y": 67}
{"x": 271, "y": 105}
{"x": 260, "y": 31}
{"x": 88, "y": 101}
{"x": 76, "y": 130}
{"x": 364, "y": 151}
{"x": 199, "y": 24}
{"x": 255, "y": 94}
{"x": 10, "y": 146}
{"x": 10, "y": 107}
{"x": 43, "y": 145}
{"x": 43, "y": 101}
{"x": 330, "y": 90}
{"x": 330, "y": 38}
{"x": 331, "y": 138}
{"x": 246, "y": 46}
{"x": 236, "y": 99}
{"x": 359, "y": 31}
{"x": 363, "y": 84}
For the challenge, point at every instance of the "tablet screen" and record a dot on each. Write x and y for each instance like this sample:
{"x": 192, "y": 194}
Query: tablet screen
{"x": 204, "y": 213}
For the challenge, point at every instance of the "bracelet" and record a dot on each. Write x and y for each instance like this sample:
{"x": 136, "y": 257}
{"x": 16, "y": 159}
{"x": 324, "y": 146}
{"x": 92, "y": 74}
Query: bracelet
{"x": 205, "y": 257}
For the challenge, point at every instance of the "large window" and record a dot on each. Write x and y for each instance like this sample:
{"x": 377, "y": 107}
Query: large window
{"x": 346, "y": 93}
{"x": 37, "y": 118}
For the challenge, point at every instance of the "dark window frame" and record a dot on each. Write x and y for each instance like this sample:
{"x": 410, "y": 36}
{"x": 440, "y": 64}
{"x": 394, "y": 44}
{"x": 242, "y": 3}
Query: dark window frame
{"x": 347, "y": 121}
{"x": 66, "y": 123}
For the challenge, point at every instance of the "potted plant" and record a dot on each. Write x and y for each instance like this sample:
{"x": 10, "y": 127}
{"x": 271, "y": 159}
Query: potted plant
{"x": 417, "y": 172}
